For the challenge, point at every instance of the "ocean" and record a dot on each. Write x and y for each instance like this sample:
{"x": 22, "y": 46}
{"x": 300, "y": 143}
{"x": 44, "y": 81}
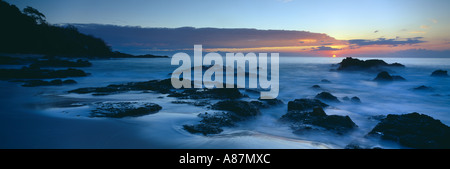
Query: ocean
{"x": 50, "y": 117}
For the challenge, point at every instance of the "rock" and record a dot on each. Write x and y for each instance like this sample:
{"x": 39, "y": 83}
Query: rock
{"x": 204, "y": 129}
{"x": 37, "y": 73}
{"x": 315, "y": 87}
{"x": 423, "y": 88}
{"x": 266, "y": 103}
{"x": 325, "y": 81}
{"x": 305, "y": 104}
{"x": 213, "y": 123}
{"x": 240, "y": 109}
{"x": 325, "y": 96}
{"x": 346, "y": 98}
{"x": 161, "y": 86}
{"x": 124, "y": 109}
{"x": 439, "y": 73}
{"x": 318, "y": 117}
{"x": 386, "y": 77}
{"x": 69, "y": 81}
{"x": 57, "y": 82}
{"x": 55, "y": 62}
{"x": 351, "y": 64}
{"x": 355, "y": 99}
{"x": 164, "y": 87}
{"x": 414, "y": 130}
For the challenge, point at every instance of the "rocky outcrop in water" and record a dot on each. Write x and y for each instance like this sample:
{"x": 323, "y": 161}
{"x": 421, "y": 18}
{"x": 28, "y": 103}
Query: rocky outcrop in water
{"x": 351, "y": 64}
{"x": 124, "y": 109}
{"x": 439, "y": 73}
{"x": 326, "y": 96}
{"x": 305, "y": 104}
{"x": 212, "y": 123}
{"x": 413, "y": 130}
{"x": 33, "y": 72}
{"x": 57, "y": 82}
{"x": 386, "y": 77}
{"x": 302, "y": 120}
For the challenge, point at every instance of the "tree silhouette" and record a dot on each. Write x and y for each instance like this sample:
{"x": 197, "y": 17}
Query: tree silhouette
{"x": 28, "y": 32}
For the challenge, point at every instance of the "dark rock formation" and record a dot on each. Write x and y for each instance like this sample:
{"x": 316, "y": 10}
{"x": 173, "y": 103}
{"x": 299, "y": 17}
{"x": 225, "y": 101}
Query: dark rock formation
{"x": 351, "y": 64}
{"x": 325, "y": 96}
{"x": 305, "y": 104}
{"x": 239, "y": 109}
{"x": 318, "y": 117}
{"x": 414, "y": 130}
{"x": 161, "y": 86}
{"x": 439, "y": 73}
{"x": 213, "y": 123}
{"x": 355, "y": 99}
{"x": 55, "y": 62}
{"x": 386, "y": 77}
{"x": 325, "y": 81}
{"x": 125, "y": 109}
{"x": 33, "y": 72}
{"x": 423, "y": 88}
{"x": 315, "y": 87}
{"x": 57, "y": 82}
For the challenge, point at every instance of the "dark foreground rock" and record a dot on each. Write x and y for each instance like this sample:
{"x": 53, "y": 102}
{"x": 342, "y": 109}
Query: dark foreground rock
{"x": 439, "y": 73}
{"x": 241, "y": 109}
{"x": 161, "y": 86}
{"x": 325, "y": 96}
{"x": 351, "y": 64}
{"x": 57, "y": 82}
{"x": 164, "y": 87}
{"x": 386, "y": 77}
{"x": 414, "y": 130}
{"x": 125, "y": 109}
{"x": 318, "y": 117}
{"x": 305, "y": 104}
{"x": 215, "y": 93}
{"x": 423, "y": 88}
{"x": 212, "y": 123}
{"x": 55, "y": 62}
{"x": 37, "y": 73}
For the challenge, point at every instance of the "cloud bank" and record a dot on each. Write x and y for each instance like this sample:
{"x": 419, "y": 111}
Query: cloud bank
{"x": 141, "y": 40}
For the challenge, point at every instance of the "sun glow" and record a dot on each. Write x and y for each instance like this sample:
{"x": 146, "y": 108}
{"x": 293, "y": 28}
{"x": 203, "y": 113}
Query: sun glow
{"x": 334, "y": 56}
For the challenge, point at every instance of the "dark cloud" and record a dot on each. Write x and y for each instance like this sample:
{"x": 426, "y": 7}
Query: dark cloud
{"x": 137, "y": 39}
{"x": 383, "y": 41}
{"x": 324, "y": 48}
{"x": 376, "y": 31}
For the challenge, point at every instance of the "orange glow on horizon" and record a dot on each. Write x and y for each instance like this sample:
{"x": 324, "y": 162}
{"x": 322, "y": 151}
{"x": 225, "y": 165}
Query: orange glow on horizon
{"x": 334, "y": 56}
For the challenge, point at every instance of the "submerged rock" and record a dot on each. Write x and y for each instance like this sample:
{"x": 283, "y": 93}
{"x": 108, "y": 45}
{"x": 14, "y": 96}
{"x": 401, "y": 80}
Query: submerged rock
{"x": 239, "y": 109}
{"x": 37, "y": 73}
{"x": 351, "y": 64}
{"x": 423, "y": 88}
{"x": 202, "y": 128}
{"x": 316, "y": 87}
{"x": 212, "y": 123}
{"x": 305, "y": 104}
{"x": 318, "y": 117}
{"x": 386, "y": 77}
{"x": 355, "y": 99}
{"x": 413, "y": 130}
{"x": 325, "y": 81}
{"x": 439, "y": 73}
{"x": 55, "y": 62}
{"x": 125, "y": 109}
{"x": 57, "y": 82}
{"x": 327, "y": 97}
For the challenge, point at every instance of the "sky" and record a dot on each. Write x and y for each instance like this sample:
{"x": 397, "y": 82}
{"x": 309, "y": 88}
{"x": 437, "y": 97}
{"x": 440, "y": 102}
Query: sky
{"x": 349, "y": 27}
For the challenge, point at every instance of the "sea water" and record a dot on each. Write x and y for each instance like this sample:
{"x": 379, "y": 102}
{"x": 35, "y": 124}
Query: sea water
{"x": 297, "y": 75}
